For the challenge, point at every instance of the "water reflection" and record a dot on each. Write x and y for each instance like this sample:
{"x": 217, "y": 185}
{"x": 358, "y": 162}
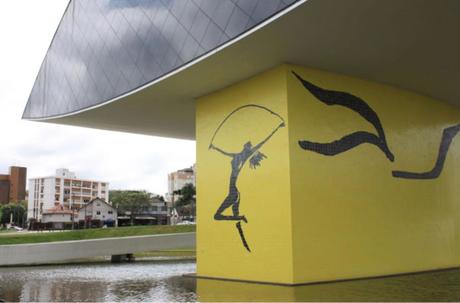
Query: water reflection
{"x": 148, "y": 281}
{"x": 434, "y": 286}
{"x": 104, "y": 282}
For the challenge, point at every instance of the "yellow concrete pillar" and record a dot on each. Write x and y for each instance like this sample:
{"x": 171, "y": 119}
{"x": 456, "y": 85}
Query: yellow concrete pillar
{"x": 243, "y": 158}
{"x": 307, "y": 176}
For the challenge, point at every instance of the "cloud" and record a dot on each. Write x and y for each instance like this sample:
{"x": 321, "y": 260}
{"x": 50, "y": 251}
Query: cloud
{"x": 127, "y": 161}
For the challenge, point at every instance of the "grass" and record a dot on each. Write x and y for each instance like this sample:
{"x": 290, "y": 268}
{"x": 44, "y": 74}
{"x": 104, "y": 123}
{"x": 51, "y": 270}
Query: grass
{"x": 178, "y": 252}
{"x": 6, "y": 231}
{"x": 86, "y": 234}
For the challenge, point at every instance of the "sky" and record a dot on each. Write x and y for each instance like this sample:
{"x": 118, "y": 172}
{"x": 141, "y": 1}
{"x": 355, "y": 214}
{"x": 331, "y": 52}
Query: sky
{"x": 126, "y": 161}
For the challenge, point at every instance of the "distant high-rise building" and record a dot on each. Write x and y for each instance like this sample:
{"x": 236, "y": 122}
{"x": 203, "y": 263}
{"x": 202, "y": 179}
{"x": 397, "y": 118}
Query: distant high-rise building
{"x": 63, "y": 189}
{"x": 177, "y": 180}
{"x": 13, "y": 185}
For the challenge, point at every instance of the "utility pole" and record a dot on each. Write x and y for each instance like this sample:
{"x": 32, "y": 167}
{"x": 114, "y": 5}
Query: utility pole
{"x": 70, "y": 207}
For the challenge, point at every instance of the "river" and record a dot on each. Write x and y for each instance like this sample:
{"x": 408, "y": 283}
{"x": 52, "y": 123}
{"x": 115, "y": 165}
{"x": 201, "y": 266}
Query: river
{"x": 164, "y": 281}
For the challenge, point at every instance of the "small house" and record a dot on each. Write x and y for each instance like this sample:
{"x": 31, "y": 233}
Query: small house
{"x": 57, "y": 217}
{"x": 97, "y": 213}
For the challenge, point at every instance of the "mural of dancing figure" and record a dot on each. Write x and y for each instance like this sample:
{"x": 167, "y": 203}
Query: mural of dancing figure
{"x": 238, "y": 160}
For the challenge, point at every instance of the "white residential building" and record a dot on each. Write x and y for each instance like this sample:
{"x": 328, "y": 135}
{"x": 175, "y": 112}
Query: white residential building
{"x": 63, "y": 189}
{"x": 177, "y": 180}
{"x": 97, "y": 212}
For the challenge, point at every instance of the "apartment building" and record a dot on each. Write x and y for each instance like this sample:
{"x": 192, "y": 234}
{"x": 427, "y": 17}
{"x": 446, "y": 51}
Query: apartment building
{"x": 177, "y": 180}
{"x": 64, "y": 189}
{"x": 13, "y": 185}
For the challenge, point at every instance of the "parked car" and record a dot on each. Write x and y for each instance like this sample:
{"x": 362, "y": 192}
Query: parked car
{"x": 16, "y": 228}
{"x": 186, "y": 223}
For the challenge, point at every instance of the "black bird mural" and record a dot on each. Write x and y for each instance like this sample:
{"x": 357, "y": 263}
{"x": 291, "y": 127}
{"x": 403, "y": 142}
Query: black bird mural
{"x": 356, "y": 104}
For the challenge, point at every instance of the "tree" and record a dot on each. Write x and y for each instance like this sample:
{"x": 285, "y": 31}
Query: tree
{"x": 132, "y": 201}
{"x": 185, "y": 205}
{"x": 159, "y": 197}
{"x": 19, "y": 211}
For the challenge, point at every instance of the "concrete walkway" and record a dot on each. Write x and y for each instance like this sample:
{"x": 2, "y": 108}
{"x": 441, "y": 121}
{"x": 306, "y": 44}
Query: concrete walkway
{"x": 41, "y": 253}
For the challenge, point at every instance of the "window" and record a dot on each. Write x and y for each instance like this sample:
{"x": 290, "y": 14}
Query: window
{"x": 98, "y": 212}
{"x": 110, "y": 212}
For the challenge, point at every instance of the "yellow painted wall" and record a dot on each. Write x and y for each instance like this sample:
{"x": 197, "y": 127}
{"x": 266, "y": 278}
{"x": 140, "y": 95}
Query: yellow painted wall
{"x": 265, "y": 191}
{"x": 318, "y": 218}
{"x": 351, "y": 218}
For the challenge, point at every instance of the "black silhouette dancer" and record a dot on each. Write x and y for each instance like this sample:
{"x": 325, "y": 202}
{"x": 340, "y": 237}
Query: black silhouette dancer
{"x": 448, "y": 134}
{"x": 251, "y": 153}
{"x": 350, "y": 141}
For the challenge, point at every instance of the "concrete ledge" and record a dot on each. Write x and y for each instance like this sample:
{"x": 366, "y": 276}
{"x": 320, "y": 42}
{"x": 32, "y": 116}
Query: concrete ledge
{"x": 420, "y": 272}
{"x": 38, "y": 253}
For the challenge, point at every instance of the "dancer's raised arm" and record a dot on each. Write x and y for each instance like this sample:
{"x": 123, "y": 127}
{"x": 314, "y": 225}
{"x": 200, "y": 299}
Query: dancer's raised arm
{"x": 221, "y": 151}
{"x": 269, "y": 136}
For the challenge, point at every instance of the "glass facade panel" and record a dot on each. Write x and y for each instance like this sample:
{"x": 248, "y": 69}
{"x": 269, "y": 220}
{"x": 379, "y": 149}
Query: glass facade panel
{"x": 105, "y": 48}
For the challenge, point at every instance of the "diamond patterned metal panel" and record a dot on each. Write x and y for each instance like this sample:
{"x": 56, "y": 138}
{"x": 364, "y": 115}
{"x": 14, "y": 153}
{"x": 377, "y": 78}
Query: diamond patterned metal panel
{"x": 105, "y": 48}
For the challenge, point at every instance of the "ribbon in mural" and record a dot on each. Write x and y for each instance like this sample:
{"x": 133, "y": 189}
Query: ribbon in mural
{"x": 356, "y": 104}
{"x": 350, "y": 141}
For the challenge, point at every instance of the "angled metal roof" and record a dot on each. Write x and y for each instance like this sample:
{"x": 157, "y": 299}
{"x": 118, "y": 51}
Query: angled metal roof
{"x": 105, "y": 48}
{"x": 408, "y": 44}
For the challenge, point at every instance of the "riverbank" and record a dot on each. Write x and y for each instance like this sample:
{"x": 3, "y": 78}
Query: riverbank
{"x": 87, "y": 234}
{"x": 187, "y": 252}
{"x": 169, "y": 255}
{"x": 62, "y": 251}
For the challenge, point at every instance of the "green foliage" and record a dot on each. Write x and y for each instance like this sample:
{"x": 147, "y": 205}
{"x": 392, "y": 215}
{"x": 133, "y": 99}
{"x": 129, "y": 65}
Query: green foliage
{"x": 160, "y": 198}
{"x": 19, "y": 211}
{"x": 84, "y": 234}
{"x": 185, "y": 205}
{"x": 132, "y": 201}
